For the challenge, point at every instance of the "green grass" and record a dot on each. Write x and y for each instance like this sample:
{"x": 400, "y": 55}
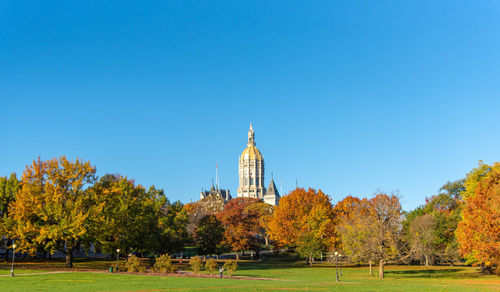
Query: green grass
{"x": 292, "y": 275}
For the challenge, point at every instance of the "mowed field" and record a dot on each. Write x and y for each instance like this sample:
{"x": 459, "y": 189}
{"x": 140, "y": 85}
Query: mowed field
{"x": 274, "y": 274}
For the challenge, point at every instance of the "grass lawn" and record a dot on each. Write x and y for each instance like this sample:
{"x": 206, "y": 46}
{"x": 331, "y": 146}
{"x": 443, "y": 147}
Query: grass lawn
{"x": 291, "y": 276}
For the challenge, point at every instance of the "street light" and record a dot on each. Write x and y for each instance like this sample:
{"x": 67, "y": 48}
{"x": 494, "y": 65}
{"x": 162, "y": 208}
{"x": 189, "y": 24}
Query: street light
{"x": 336, "y": 266}
{"x": 340, "y": 256}
{"x": 13, "y": 256}
{"x": 117, "y": 258}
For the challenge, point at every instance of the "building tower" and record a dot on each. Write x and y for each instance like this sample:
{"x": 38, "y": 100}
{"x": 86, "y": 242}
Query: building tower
{"x": 251, "y": 170}
{"x": 272, "y": 195}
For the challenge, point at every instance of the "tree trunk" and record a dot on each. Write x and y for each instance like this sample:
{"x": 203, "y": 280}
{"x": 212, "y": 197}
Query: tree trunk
{"x": 9, "y": 242}
{"x": 381, "y": 269}
{"x": 69, "y": 257}
{"x": 371, "y": 268}
{"x": 267, "y": 240}
{"x": 426, "y": 260}
{"x": 237, "y": 256}
{"x": 217, "y": 257}
{"x": 310, "y": 261}
{"x": 486, "y": 269}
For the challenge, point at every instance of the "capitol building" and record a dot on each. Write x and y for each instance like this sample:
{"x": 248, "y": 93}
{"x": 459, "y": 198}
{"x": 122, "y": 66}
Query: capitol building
{"x": 251, "y": 177}
{"x": 252, "y": 174}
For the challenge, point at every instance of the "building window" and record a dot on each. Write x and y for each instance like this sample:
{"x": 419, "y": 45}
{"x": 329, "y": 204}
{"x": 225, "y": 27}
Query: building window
{"x": 251, "y": 181}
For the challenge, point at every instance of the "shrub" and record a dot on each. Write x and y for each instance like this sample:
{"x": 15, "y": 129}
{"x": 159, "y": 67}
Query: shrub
{"x": 134, "y": 265}
{"x": 122, "y": 266}
{"x": 163, "y": 264}
{"x": 230, "y": 267}
{"x": 211, "y": 266}
{"x": 196, "y": 264}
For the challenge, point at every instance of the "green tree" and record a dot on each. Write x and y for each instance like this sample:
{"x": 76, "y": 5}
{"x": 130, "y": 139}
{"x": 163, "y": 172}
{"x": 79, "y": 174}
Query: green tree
{"x": 8, "y": 190}
{"x": 429, "y": 230}
{"x": 134, "y": 219}
{"x": 208, "y": 235}
{"x": 310, "y": 246}
{"x": 172, "y": 221}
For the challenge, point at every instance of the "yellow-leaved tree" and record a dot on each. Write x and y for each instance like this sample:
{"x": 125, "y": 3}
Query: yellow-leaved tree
{"x": 53, "y": 207}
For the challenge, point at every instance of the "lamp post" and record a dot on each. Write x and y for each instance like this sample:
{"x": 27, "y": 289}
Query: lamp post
{"x": 13, "y": 256}
{"x": 336, "y": 266}
{"x": 117, "y": 258}
{"x": 340, "y": 256}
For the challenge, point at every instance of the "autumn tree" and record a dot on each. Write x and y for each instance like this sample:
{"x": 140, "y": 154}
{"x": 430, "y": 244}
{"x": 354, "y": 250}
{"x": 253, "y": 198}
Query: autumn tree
{"x": 373, "y": 232}
{"x": 264, "y": 213}
{"x": 210, "y": 205}
{"x": 8, "y": 189}
{"x": 345, "y": 210}
{"x": 53, "y": 207}
{"x": 240, "y": 224}
{"x": 208, "y": 235}
{"x": 479, "y": 232}
{"x": 421, "y": 237}
{"x": 303, "y": 212}
{"x": 385, "y": 211}
{"x": 356, "y": 231}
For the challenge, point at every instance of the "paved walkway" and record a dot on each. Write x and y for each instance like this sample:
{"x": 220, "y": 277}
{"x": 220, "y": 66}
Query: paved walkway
{"x": 41, "y": 273}
{"x": 178, "y": 274}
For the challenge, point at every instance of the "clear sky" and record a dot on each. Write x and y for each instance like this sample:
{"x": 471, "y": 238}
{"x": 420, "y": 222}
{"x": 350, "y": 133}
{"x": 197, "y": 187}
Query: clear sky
{"x": 346, "y": 96}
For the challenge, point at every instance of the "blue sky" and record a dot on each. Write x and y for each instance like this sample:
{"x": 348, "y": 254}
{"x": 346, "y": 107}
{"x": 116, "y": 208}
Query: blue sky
{"x": 346, "y": 96}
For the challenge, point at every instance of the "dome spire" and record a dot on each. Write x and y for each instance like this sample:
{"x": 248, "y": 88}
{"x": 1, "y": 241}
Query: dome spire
{"x": 251, "y": 136}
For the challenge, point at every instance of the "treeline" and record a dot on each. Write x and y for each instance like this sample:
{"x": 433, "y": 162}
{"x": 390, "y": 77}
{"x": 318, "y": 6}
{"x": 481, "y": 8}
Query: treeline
{"x": 461, "y": 222}
{"x": 61, "y": 205}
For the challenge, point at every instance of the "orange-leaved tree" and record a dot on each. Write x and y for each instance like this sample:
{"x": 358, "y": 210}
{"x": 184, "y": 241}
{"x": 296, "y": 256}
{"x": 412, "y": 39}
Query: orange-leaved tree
{"x": 346, "y": 210}
{"x": 478, "y": 233}
{"x": 300, "y": 214}
{"x": 241, "y": 225}
{"x": 53, "y": 207}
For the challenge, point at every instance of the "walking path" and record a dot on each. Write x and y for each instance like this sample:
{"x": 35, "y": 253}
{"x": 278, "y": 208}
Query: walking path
{"x": 178, "y": 274}
{"x": 41, "y": 273}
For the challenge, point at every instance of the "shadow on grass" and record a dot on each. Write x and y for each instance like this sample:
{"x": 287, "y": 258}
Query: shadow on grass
{"x": 433, "y": 273}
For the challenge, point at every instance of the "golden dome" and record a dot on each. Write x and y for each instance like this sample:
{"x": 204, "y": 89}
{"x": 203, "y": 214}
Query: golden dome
{"x": 251, "y": 152}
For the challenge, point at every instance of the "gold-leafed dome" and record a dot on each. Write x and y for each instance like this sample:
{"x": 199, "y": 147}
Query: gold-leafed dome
{"x": 251, "y": 152}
